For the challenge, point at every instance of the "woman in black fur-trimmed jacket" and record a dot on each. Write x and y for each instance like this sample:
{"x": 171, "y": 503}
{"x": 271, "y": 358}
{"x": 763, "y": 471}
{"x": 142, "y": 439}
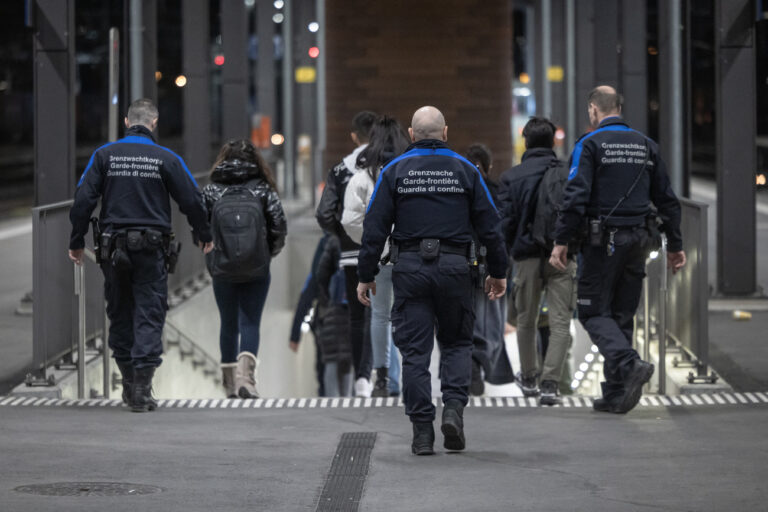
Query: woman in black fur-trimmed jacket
{"x": 242, "y": 303}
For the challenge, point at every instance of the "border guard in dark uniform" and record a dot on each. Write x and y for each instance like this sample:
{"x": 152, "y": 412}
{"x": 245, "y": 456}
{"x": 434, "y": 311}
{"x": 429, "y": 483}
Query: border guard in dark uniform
{"x": 615, "y": 175}
{"x": 435, "y": 199}
{"x": 134, "y": 176}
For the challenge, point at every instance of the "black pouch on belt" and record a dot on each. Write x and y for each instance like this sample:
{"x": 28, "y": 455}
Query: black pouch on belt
{"x": 134, "y": 240}
{"x": 153, "y": 239}
{"x": 429, "y": 248}
{"x": 120, "y": 259}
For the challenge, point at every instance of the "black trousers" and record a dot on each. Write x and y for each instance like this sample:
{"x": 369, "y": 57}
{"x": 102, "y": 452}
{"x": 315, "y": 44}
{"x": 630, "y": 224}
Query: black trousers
{"x": 137, "y": 300}
{"x": 359, "y": 327}
{"x": 428, "y": 296}
{"x": 608, "y": 296}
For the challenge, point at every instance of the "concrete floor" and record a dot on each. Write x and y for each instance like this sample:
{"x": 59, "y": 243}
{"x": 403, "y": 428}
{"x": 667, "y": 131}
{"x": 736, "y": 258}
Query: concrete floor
{"x": 673, "y": 459}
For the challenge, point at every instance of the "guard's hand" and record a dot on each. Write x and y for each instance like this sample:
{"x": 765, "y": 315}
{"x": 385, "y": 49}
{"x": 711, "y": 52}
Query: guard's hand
{"x": 76, "y": 256}
{"x": 676, "y": 261}
{"x": 206, "y": 247}
{"x": 293, "y": 345}
{"x": 495, "y": 288}
{"x": 559, "y": 257}
{"x": 362, "y": 292}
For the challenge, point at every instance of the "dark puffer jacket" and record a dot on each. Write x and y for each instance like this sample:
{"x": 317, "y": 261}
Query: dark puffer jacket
{"x": 235, "y": 172}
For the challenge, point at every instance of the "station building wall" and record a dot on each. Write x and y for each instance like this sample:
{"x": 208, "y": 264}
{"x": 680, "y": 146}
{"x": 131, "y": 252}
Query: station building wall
{"x": 395, "y": 56}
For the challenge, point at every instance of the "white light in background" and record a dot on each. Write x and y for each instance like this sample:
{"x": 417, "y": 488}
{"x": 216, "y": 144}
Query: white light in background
{"x": 314, "y": 26}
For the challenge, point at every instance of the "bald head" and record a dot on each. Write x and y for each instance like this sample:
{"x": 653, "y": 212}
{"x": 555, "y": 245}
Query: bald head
{"x": 428, "y": 123}
{"x": 603, "y": 102}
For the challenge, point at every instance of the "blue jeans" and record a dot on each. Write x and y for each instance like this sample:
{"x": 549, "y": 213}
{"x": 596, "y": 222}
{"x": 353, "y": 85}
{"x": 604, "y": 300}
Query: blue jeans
{"x": 240, "y": 307}
{"x": 381, "y": 324}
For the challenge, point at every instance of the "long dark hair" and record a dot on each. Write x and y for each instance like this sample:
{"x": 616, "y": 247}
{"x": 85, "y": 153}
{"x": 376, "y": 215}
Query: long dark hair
{"x": 245, "y": 151}
{"x": 388, "y": 140}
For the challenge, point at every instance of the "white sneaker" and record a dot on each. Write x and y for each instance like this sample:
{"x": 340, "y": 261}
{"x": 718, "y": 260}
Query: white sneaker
{"x": 363, "y": 388}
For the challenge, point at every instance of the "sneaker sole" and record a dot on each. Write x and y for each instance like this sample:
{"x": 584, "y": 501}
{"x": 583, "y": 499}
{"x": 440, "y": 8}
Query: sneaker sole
{"x": 244, "y": 394}
{"x": 422, "y": 451}
{"x": 634, "y": 390}
{"x": 454, "y": 437}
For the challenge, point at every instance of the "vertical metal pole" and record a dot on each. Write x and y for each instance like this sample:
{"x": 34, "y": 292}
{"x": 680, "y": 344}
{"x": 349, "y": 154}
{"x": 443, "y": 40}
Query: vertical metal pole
{"x": 663, "y": 318}
{"x": 676, "y": 150}
{"x": 80, "y": 293}
{"x": 570, "y": 73}
{"x": 137, "y": 50}
{"x": 105, "y": 359}
{"x": 114, "y": 83}
{"x": 289, "y": 146}
{"x": 321, "y": 106}
{"x": 646, "y": 319}
{"x": 265, "y": 65}
{"x": 546, "y": 57}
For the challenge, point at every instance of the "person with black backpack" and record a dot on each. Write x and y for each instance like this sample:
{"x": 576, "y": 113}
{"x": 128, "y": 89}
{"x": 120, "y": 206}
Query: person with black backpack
{"x": 249, "y": 227}
{"x": 530, "y": 196}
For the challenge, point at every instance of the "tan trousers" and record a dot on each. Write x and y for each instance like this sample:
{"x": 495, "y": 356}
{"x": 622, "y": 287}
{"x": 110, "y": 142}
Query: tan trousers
{"x": 532, "y": 279}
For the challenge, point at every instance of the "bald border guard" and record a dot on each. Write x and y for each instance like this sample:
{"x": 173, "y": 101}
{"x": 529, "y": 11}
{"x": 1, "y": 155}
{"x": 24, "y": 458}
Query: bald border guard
{"x": 435, "y": 199}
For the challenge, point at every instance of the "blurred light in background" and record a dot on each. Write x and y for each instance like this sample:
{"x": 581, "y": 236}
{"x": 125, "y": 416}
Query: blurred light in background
{"x": 278, "y": 18}
{"x": 314, "y": 26}
{"x": 277, "y": 139}
{"x": 560, "y": 134}
{"x": 525, "y": 78}
{"x": 279, "y": 4}
{"x": 314, "y": 52}
{"x": 180, "y": 81}
{"x": 158, "y": 76}
{"x": 218, "y": 60}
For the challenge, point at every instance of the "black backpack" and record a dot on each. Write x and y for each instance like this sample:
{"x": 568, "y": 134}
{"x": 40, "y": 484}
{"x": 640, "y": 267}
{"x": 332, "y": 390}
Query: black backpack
{"x": 241, "y": 251}
{"x": 547, "y": 201}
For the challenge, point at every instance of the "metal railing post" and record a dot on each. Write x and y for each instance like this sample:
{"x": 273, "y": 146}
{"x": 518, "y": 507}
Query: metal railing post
{"x": 663, "y": 318}
{"x": 80, "y": 292}
{"x": 106, "y": 374}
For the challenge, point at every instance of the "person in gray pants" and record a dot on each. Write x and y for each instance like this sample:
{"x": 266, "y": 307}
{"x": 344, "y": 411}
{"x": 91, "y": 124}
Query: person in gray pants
{"x": 534, "y": 276}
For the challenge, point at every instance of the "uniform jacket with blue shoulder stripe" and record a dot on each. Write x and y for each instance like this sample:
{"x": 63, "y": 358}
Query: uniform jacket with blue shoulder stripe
{"x": 603, "y": 166}
{"x": 135, "y": 176}
{"x": 431, "y": 192}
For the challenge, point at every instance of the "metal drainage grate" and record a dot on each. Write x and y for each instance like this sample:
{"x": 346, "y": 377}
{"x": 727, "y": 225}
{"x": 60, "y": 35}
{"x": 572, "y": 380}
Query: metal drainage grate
{"x": 346, "y": 478}
{"x": 89, "y": 489}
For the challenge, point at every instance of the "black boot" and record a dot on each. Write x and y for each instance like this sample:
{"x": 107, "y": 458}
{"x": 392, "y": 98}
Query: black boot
{"x": 476, "y": 385}
{"x": 126, "y": 370}
{"x": 423, "y": 439}
{"x": 142, "y": 390}
{"x": 381, "y": 388}
{"x": 453, "y": 425}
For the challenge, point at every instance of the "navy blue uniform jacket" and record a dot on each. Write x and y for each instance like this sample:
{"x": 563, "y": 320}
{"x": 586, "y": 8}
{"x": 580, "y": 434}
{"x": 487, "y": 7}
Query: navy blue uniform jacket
{"x": 430, "y": 192}
{"x": 603, "y": 165}
{"x": 134, "y": 176}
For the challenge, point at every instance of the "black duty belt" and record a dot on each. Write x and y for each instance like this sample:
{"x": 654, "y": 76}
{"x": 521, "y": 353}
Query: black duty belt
{"x": 445, "y": 248}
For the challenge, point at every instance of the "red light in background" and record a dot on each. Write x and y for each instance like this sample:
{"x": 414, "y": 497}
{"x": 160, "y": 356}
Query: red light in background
{"x": 314, "y": 52}
{"x": 219, "y": 60}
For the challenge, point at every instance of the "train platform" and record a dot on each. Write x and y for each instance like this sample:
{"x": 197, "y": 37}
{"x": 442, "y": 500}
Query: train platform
{"x": 292, "y": 455}
{"x": 290, "y": 451}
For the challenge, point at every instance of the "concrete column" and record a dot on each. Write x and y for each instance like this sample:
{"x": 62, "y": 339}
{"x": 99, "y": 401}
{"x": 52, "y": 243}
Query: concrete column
{"x": 585, "y": 61}
{"x": 736, "y": 158}
{"x": 197, "y": 92}
{"x": 54, "y": 97}
{"x": 235, "y": 119}
{"x": 633, "y": 63}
